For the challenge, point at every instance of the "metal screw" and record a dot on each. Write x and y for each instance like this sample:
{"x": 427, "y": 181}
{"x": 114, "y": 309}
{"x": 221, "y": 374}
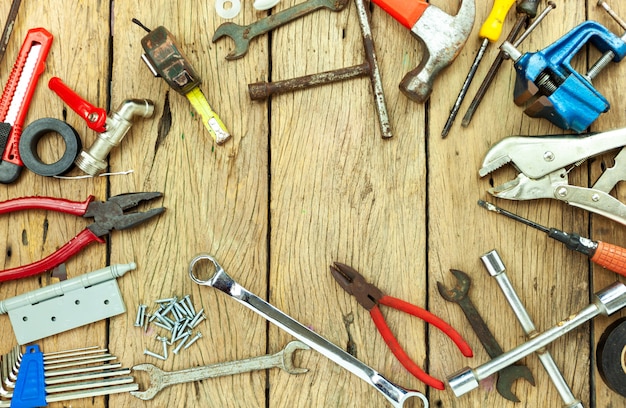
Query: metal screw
{"x": 548, "y": 156}
{"x": 562, "y": 192}
{"x": 168, "y": 300}
{"x": 190, "y": 305}
{"x": 182, "y": 342}
{"x": 196, "y": 317}
{"x": 140, "y": 312}
{"x": 595, "y": 197}
{"x": 162, "y": 325}
{"x": 193, "y": 340}
{"x": 164, "y": 341}
{"x": 151, "y": 354}
{"x": 197, "y": 321}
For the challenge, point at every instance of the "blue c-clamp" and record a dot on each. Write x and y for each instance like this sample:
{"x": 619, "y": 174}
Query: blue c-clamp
{"x": 558, "y": 92}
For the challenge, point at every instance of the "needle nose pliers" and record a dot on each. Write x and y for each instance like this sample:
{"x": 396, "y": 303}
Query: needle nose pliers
{"x": 369, "y": 296}
{"x": 108, "y": 215}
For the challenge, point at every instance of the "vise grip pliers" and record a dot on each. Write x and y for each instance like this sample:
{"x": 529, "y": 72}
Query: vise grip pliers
{"x": 544, "y": 163}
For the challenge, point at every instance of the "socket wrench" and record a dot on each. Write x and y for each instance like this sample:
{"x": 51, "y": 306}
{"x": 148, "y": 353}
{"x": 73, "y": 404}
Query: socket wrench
{"x": 220, "y": 280}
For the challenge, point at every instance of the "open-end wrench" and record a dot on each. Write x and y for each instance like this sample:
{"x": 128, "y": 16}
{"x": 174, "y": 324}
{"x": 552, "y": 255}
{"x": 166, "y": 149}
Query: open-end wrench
{"x": 242, "y": 35}
{"x": 459, "y": 295}
{"x": 160, "y": 379}
{"x": 220, "y": 280}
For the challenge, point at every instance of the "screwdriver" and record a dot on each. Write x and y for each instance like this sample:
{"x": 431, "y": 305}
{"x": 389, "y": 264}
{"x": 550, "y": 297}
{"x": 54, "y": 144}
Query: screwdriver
{"x": 165, "y": 59}
{"x": 526, "y": 10}
{"x": 609, "y": 256}
{"x": 490, "y": 32}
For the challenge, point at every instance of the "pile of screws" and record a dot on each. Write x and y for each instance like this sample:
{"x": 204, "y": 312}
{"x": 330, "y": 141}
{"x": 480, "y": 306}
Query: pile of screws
{"x": 175, "y": 315}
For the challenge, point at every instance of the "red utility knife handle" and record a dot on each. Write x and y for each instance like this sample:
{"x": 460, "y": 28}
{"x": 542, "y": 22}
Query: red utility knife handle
{"x": 35, "y": 36}
{"x": 46, "y": 203}
{"x": 74, "y": 246}
{"x": 406, "y": 12}
{"x": 95, "y": 117}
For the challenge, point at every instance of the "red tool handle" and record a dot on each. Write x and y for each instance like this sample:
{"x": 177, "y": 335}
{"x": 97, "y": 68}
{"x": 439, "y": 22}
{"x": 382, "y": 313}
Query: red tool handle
{"x": 75, "y": 245}
{"x": 46, "y": 203}
{"x": 399, "y": 352}
{"x": 404, "y": 11}
{"x": 425, "y": 315}
{"x": 611, "y": 257}
{"x": 95, "y": 117}
{"x": 27, "y": 85}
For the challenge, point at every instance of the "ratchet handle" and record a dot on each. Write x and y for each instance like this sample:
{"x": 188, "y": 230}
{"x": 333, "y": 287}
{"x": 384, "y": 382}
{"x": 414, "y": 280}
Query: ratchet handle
{"x": 94, "y": 116}
{"x": 611, "y": 257}
{"x": 84, "y": 238}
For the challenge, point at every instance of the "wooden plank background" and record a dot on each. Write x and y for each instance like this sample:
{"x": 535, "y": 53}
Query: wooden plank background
{"x": 307, "y": 180}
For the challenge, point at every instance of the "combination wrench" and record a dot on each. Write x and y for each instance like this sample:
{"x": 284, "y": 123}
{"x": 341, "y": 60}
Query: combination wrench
{"x": 160, "y": 379}
{"x": 220, "y": 280}
{"x": 242, "y": 35}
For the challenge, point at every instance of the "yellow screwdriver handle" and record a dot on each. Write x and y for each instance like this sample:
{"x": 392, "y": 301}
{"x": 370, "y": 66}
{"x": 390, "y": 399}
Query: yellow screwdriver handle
{"x": 492, "y": 27}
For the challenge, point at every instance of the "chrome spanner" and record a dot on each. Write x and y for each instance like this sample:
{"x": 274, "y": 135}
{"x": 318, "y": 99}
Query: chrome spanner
{"x": 220, "y": 280}
{"x": 242, "y": 35}
{"x": 160, "y": 379}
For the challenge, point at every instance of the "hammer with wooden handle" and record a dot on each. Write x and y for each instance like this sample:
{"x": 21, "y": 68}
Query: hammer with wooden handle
{"x": 441, "y": 34}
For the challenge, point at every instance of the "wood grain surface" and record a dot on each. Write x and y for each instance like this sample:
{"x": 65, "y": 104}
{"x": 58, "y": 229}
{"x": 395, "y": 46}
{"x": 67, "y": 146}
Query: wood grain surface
{"x": 307, "y": 180}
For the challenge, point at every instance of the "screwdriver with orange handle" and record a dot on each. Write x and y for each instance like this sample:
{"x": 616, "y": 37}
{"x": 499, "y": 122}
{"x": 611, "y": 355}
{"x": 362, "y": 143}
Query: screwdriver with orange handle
{"x": 490, "y": 32}
{"x": 609, "y": 256}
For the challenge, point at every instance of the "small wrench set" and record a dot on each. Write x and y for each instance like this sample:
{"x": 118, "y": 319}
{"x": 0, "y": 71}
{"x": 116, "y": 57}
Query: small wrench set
{"x": 547, "y": 86}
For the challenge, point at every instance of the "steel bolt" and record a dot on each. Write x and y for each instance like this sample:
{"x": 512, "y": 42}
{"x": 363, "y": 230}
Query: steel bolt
{"x": 140, "y": 312}
{"x": 190, "y": 305}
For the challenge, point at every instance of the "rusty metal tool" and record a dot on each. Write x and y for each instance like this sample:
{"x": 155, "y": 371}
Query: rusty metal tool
{"x": 262, "y": 90}
{"x": 160, "y": 379}
{"x": 494, "y": 265}
{"x": 460, "y": 295}
{"x": 441, "y": 34}
{"x": 220, "y": 280}
{"x": 8, "y": 27}
{"x": 489, "y": 32}
{"x": 605, "y": 302}
{"x": 242, "y": 35}
{"x": 526, "y": 10}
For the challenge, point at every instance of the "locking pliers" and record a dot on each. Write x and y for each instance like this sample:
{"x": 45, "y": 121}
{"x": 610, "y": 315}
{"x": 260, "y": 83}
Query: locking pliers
{"x": 544, "y": 163}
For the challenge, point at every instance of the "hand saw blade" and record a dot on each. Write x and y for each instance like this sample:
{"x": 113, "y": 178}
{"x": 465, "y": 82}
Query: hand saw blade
{"x": 20, "y": 88}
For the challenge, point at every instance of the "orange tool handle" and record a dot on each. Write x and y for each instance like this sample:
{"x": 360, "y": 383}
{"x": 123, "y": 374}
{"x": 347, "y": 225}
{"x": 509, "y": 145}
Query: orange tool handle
{"x": 406, "y": 12}
{"x": 611, "y": 257}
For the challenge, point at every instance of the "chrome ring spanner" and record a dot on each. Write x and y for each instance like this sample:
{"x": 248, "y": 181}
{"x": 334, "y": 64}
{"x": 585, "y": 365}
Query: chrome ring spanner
{"x": 220, "y": 280}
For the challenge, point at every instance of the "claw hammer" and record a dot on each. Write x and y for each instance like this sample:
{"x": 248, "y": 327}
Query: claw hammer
{"x": 442, "y": 35}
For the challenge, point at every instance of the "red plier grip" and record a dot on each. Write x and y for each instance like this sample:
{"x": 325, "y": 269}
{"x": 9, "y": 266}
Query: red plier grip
{"x": 399, "y": 352}
{"x": 61, "y": 255}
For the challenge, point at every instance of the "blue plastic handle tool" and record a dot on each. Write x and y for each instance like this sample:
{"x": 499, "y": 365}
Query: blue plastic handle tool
{"x": 30, "y": 388}
{"x": 562, "y": 95}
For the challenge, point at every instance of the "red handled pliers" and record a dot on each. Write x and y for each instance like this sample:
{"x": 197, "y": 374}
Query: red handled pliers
{"x": 369, "y": 296}
{"x": 108, "y": 215}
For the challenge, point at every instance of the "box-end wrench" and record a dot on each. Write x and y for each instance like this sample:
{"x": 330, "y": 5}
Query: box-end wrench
{"x": 460, "y": 295}
{"x": 605, "y": 302}
{"x": 242, "y": 35}
{"x": 495, "y": 266}
{"x": 220, "y": 280}
{"x": 160, "y": 379}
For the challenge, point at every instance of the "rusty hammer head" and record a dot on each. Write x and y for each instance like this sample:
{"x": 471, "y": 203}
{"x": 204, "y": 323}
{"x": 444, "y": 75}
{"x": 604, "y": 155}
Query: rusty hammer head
{"x": 443, "y": 37}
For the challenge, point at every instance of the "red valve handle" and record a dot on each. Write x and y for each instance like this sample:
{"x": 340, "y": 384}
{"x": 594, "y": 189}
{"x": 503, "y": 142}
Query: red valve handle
{"x": 95, "y": 117}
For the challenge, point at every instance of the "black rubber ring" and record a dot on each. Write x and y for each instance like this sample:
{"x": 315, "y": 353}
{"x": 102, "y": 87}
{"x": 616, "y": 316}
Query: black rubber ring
{"x": 30, "y": 138}
{"x": 610, "y": 356}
